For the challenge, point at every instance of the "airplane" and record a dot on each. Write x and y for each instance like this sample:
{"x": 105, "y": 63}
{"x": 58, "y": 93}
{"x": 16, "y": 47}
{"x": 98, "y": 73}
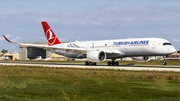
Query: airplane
{"x": 139, "y": 49}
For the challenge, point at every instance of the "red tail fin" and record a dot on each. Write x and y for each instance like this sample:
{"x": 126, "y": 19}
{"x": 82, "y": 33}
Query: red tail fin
{"x": 51, "y": 37}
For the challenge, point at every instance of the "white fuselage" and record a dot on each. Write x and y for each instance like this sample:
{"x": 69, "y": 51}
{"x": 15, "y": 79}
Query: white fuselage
{"x": 126, "y": 47}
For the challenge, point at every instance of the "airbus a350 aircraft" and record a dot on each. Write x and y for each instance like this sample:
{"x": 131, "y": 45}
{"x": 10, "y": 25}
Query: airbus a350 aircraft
{"x": 98, "y": 51}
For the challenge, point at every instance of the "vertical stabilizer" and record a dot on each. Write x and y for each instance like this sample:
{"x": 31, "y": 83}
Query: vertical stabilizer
{"x": 51, "y": 37}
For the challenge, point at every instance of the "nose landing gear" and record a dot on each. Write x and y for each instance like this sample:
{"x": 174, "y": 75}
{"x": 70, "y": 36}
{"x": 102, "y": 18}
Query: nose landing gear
{"x": 164, "y": 61}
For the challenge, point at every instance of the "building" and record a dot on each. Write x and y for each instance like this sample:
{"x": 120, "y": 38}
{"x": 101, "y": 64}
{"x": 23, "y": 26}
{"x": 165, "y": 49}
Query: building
{"x": 11, "y": 56}
{"x": 175, "y": 56}
{"x": 30, "y": 53}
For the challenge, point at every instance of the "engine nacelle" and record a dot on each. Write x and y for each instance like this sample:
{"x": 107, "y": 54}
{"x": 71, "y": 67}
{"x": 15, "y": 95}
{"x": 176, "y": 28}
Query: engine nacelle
{"x": 141, "y": 59}
{"x": 96, "y": 56}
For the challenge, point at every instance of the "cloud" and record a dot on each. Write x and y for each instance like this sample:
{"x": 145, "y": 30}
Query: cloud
{"x": 103, "y": 16}
{"x": 63, "y": 39}
{"x": 42, "y": 38}
{"x": 176, "y": 40}
{"x": 78, "y": 38}
{"x": 15, "y": 39}
{"x": 18, "y": 5}
{"x": 130, "y": 37}
{"x": 1, "y": 38}
{"x": 9, "y": 36}
{"x": 116, "y": 16}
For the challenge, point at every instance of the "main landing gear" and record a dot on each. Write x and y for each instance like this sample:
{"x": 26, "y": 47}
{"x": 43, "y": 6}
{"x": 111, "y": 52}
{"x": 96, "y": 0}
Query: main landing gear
{"x": 90, "y": 63}
{"x": 113, "y": 63}
{"x": 164, "y": 61}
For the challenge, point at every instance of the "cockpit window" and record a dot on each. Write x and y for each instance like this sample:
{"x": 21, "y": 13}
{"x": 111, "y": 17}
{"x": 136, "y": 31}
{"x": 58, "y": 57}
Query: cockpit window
{"x": 167, "y": 44}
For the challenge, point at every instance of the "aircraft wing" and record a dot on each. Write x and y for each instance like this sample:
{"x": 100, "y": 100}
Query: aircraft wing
{"x": 67, "y": 49}
{"x": 84, "y": 50}
{"x": 47, "y": 47}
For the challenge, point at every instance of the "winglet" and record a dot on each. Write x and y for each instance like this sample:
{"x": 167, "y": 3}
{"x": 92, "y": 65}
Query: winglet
{"x": 51, "y": 37}
{"x": 9, "y": 40}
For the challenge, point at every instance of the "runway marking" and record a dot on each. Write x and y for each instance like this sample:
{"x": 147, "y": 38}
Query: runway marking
{"x": 120, "y": 67}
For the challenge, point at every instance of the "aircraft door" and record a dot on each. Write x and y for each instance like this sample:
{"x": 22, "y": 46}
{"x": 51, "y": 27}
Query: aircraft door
{"x": 154, "y": 44}
{"x": 89, "y": 46}
{"x": 126, "y": 47}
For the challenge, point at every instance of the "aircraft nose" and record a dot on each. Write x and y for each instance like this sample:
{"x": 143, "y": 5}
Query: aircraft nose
{"x": 172, "y": 49}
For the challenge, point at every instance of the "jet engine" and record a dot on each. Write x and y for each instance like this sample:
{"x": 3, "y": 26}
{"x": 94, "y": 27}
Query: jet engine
{"x": 96, "y": 56}
{"x": 141, "y": 59}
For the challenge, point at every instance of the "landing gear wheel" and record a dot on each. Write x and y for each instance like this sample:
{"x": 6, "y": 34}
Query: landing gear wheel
{"x": 90, "y": 63}
{"x": 113, "y": 63}
{"x": 109, "y": 63}
{"x": 93, "y": 63}
{"x": 86, "y": 63}
{"x": 117, "y": 63}
{"x": 164, "y": 63}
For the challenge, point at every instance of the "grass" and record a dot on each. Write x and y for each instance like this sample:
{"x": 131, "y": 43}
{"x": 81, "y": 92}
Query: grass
{"x": 20, "y": 83}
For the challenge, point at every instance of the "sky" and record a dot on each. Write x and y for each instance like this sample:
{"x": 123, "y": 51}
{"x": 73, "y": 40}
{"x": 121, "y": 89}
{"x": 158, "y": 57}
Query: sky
{"x": 79, "y": 20}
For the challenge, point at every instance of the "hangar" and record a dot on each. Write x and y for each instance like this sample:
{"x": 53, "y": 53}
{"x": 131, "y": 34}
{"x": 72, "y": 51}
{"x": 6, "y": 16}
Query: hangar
{"x": 30, "y": 53}
{"x": 27, "y": 53}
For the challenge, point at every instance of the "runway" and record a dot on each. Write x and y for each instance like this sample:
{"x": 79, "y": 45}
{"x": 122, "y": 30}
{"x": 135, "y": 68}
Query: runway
{"x": 82, "y": 66}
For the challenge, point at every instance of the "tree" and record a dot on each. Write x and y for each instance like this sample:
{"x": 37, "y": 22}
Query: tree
{"x": 178, "y": 51}
{"x": 4, "y": 51}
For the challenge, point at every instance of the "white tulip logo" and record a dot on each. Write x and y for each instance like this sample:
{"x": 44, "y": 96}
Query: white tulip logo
{"x": 50, "y": 37}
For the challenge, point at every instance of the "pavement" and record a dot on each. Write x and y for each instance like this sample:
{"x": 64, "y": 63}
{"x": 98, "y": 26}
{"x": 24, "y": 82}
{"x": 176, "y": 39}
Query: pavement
{"x": 82, "y": 66}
